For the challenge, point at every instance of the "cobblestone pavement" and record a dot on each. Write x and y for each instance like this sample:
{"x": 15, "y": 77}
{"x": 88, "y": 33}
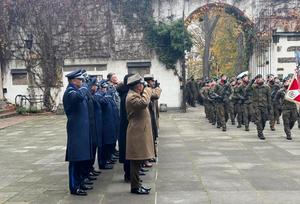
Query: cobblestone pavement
{"x": 197, "y": 164}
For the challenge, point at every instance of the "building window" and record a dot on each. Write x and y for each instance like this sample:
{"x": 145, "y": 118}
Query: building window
{"x": 19, "y": 77}
{"x": 139, "y": 67}
{"x": 286, "y": 60}
{"x": 280, "y": 76}
{"x": 293, "y": 48}
{"x": 279, "y": 48}
{"x": 293, "y": 38}
{"x": 87, "y": 67}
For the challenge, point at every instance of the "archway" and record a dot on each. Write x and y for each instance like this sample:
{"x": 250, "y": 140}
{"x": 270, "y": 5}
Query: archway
{"x": 246, "y": 27}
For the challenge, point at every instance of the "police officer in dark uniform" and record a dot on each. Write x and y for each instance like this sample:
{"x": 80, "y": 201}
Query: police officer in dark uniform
{"x": 79, "y": 149}
{"x": 92, "y": 87}
{"x": 110, "y": 122}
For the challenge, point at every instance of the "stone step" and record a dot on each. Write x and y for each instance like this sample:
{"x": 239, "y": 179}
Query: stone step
{"x": 8, "y": 114}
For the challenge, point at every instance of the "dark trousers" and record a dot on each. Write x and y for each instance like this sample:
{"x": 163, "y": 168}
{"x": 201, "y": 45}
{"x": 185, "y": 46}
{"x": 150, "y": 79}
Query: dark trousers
{"x": 75, "y": 175}
{"x": 92, "y": 161}
{"x": 261, "y": 114}
{"x": 126, "y": 168}
{"x": 248, "y": 112}
{"x": 135, "y": 166}
{"x": 289, "y": 119}
{"x": 106, "y": 152}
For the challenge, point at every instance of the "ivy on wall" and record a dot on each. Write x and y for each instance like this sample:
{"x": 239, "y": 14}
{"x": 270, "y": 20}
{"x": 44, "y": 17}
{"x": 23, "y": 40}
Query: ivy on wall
{"x": 135, "y": 14}
{"x": 169, "y": 40}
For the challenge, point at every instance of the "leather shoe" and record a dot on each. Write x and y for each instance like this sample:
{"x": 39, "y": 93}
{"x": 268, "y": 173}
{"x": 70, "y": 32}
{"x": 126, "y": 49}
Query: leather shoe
{"x": 97, "y": 172}
{"x": 87, "y": 182}
{"x": 111, "y": 162}
{"x": 142, "y": 173}
{"x": 146, "y": 188}
{"x": 84, "y": 187}
{"x": 139, "y": 191}
{"x": 93, "y": 174}
{"x": 152, "y": 160}
{"x": 147, "y": 164}
{"x": 79, "y": 192}
{"x": 106, "y": 166}
{"x": 91, "y": 178}
{"x": 144, "y": 170}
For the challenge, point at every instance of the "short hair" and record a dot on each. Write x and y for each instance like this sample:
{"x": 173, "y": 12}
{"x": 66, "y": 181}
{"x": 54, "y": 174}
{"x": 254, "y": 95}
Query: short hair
{"x": 109, "y": 75}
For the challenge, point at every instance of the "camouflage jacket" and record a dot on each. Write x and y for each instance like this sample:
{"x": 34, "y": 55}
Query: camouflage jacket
{"x": 261, "y": 96}
{"x": 285, "y": 104}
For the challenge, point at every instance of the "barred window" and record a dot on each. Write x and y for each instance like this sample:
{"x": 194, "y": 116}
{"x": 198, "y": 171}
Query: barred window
{"x": 19, "y": 79}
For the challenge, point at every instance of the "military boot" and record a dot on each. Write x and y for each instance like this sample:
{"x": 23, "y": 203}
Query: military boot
{"x": 289, "y": 137}
{"x": 272, "y": 128}
{"x": 261, "y": 136}
{"x": 224, "y": 129}
{"x": 239, "y": 125}
{"x": 246, "y": 128}
{"x": 233, "y": 122}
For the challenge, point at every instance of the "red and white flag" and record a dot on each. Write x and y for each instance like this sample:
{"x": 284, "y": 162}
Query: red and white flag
{"x": 293, "y": 92}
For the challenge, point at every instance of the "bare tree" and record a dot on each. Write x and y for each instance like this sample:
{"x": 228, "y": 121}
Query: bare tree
{"x": 60, "y": 30}
{"x": 240, "y": 54}
{"x": 4, "y": 41}
{"x": 208, "y": 26}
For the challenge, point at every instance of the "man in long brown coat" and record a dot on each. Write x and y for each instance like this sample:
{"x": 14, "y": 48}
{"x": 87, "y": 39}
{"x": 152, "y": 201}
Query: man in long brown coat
{"x": 139, "y": 141}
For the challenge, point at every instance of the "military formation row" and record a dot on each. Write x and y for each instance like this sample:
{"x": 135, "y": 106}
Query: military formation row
{"x": 245, "y": 101}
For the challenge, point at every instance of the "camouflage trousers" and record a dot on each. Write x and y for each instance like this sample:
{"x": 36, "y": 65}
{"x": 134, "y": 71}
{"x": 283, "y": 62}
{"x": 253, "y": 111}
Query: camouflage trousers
{"x": 289, "y": 118}
{"x": 222, "y": 114}
{"x": 211, "y": 111}
{"x": 206, "y": 108}
{"x": 232, "y": 111}
{"x": 261, "y": 117}
{"x": 275, "y": 114}
{"x": 248, "y": 113}
{"x": 239, "y": 112}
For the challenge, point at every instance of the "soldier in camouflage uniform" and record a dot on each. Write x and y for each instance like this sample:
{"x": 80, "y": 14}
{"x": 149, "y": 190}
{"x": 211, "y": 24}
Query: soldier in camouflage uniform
{"x": 239, "y": 103}
{"x": 204, "y": 95}
{"x": 212, "y": 103}
{"x": 289, "y": 110}
{"x": 192, "y": 91}
{"x": 261, "y": 103}
{"x": 277, "y": 103}
{"x": 222, "y": 93}
{"x": 232, "y": 101}
{"x": 246, "y": 97}
{"x": 275, "y": 112}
